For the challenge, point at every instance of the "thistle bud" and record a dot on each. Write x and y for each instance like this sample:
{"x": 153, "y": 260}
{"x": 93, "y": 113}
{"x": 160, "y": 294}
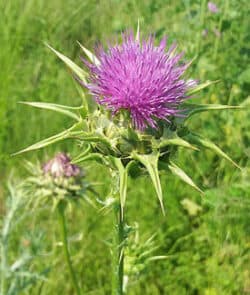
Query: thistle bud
{"x": 60, "y": 166}
{"x": 56, "y": 180}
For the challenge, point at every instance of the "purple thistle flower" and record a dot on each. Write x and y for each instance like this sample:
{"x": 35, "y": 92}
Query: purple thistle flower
{"x": 141, "y": 78}
{"x": 60, "y": 166}
{"x": 212, "y": 7}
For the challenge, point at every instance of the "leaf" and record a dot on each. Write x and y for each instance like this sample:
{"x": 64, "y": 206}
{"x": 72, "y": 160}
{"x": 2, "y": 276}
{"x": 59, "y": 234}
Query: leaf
{"x": 90, "y": 55}
{"x": 90, "y": 157}
{"x": 183, "y": 176}
{"x": 201, "y": 86}
{"x": 85, "y": 105}
{"x": 74, "y": 67}
{"x": 123, "y": 182}
{"x": 151, "y": 163}
{"x": 159, "y": 257}
{"x": 96, "y": 138}
{"x": 54, "y": 107}
{"x": 200, "y": 141}
{"x": 83, "y": 154}
{"x": 177, "y": 141}
{"x": 137, "y": 37}
{"x": 55, "y": 138}
{"x": 198, "y": 108}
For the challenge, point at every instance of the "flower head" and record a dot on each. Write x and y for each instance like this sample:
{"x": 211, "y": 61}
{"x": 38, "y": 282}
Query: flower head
{"x": 60, "y": 166}
{"x": 212, "y": 7}
{"x": 141, "y": 78}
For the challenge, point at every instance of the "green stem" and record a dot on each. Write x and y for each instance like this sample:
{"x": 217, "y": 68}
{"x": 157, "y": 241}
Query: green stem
{"x": 118, "y": 251}
{"x": 66, "y": 248}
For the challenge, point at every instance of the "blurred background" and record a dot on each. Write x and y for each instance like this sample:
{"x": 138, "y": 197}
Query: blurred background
{"x": 206, "y": 239}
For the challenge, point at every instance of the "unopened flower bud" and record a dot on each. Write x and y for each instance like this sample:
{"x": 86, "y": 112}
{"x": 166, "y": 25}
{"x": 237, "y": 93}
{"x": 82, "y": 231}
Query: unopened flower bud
{"x": 60, "y": 166}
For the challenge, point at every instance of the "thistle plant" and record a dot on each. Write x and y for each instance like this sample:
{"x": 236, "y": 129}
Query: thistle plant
{"x": 62, "y": 183}
{"x": 139, "y": 119}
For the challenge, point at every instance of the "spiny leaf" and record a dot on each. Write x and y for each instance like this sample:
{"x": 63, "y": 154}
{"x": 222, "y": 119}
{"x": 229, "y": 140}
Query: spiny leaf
{"x": 198, "y": 108}
{"x": 96, "y": 138}
{"x": 151, "y": 163}
{"x": 177, "y": 141}
{"x": 201, "y": 86}
{"x": 54, "y": 107}
{"x": 90, "y": 55}
{"x": 123, "y": 181}
{"x": 85, "y": 106}
{"x": 83, "y": 154}
{"x": 183, "y": 176}
{"x": 90, "y": 157}
{"x": 74, "y": 67}
{"x": 200, "y": 141}
{"x": 55, "y": 138}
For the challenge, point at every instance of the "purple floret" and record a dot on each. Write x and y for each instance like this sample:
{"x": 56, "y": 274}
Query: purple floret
{"x": 60, "y": 166}
{"x": 141, "y": 78}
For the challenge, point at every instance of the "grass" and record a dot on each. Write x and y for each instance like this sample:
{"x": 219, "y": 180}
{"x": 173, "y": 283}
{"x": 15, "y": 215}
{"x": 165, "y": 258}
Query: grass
{"x": 208, "y": 253}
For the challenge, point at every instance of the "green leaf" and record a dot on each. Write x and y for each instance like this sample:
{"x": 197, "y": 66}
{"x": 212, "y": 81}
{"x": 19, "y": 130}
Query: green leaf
{"x": 74, "y": 67}
{"x": 96, "y": 138}
{"x": 83, "y": 154}
{"x": 201, "y": 86}
{"x": 151, "y": 163}
{"x": 90, "y": 157}
{"x": 200, "y": 141}
{"x": 85, "y": 107}
{"x": 50, "y": 140}
{"x": 176, "y": 141}
{"x": 123, "y": 182}
{"x": 54, "y": 107}
{"x": 137, "y": 37}
{"x": 182, "y": 175}
{"x": 198, "y": 108}
{"x": 159, "y": 257}
{"x": 90, "y": 55}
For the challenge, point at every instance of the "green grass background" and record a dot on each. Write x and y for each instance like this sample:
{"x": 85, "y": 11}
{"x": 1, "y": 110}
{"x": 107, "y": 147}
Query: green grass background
{"x": 208, "y": 254}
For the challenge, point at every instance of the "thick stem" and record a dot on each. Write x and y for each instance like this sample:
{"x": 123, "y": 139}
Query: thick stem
{"x": 118, "y": 251}
{"x": 66, "y": 249}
